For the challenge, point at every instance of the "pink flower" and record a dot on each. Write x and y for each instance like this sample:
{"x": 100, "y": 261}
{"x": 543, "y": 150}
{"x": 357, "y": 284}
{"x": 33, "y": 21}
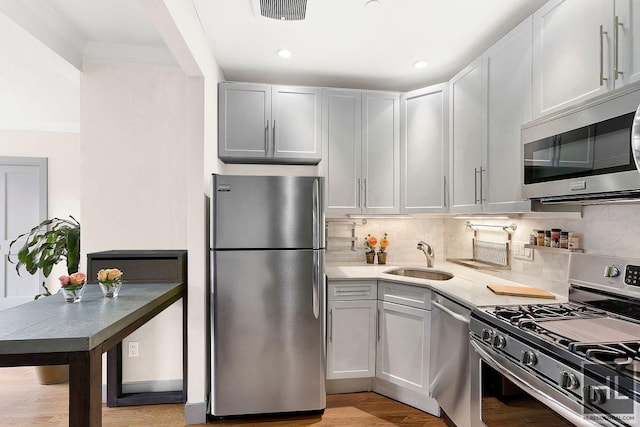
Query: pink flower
{"x": 77, "y": 278}
{"x": 64, "y": 280}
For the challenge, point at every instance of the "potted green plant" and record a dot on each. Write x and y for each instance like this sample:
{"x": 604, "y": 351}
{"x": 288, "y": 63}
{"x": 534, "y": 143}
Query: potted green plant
{"x": 45, "y": 245}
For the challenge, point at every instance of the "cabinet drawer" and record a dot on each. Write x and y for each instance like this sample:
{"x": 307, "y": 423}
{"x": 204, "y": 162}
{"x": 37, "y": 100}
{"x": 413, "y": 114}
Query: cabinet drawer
{"x": 413, "y": 296}
{"x": 351, "y": 290}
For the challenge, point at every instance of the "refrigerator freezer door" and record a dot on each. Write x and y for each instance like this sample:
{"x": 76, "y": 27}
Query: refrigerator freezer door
{"x": 266, "y": 340}
{"x": 267, "y": 212}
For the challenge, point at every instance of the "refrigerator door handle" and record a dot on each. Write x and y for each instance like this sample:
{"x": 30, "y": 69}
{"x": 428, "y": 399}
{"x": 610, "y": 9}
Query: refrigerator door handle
{"x": 316, "y": 284}
{"x": 315, "y": 215}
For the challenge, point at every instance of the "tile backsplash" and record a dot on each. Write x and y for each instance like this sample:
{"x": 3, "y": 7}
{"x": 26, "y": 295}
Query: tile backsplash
{"x": 604, "y": 229}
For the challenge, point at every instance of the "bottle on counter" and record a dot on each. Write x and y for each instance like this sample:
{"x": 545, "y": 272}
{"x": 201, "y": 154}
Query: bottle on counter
{"x": 533, "y": 237}
{"x": 547, "y": 238}
{"x": 540, "y": 239}
{"x": 555, "y": 237}
{"x": 564, "y": 240}
{"x": 574, "y": 241}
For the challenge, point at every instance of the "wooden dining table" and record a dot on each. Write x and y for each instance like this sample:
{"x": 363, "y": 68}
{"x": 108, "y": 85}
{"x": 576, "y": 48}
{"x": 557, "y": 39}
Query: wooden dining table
{"x": 50, "y": 331}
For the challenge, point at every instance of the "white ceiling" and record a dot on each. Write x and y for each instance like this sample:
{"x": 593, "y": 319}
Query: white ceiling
{"x": 43, "y": 44}
{"x": 343, "y": 43}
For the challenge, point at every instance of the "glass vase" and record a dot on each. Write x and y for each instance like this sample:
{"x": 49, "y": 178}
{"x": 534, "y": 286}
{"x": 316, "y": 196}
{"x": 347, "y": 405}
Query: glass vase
{"x": 73, "y": 293}
{"x": 110, "y": 290}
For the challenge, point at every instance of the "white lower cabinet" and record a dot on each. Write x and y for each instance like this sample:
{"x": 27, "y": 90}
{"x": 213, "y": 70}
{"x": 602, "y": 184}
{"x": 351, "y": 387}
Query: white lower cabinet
{"x": 378, "y": 338}
{"x": 403, "y": 348}
{"x": 351, "y": 330}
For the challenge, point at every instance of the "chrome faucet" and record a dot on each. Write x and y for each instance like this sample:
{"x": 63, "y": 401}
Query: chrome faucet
{"x": 428, "y": 252}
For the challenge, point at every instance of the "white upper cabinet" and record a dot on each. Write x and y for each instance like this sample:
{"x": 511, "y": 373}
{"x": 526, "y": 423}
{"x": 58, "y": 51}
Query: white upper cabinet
{"x": 381, "y": 152}
{"x": 296, "y": 115}
{"x": 466, "y": 126}
{"x": 582, "y": 48}
{"x": 341, "y": 130}
{"x": 244, "y": 114}
{"x": 424, "y": 144}
{"x": 361, "y": 135}
{"x": 265, "y": 124}
{"x": 627, "y": 18}
{"x": 490, "y": 100}
{"x": 507, "y": 102}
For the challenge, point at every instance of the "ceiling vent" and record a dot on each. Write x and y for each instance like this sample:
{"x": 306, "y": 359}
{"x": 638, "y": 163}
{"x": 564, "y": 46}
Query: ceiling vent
{"x": 284, "y": 10}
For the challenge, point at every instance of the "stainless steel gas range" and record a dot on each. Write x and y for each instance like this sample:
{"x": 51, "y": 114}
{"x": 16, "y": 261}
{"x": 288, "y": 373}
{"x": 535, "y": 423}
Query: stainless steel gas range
{"x": 581, "y": 358}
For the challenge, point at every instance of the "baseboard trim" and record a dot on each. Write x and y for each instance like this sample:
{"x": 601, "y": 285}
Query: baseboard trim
{"x": 153, "y": 386}
{"x": 195, "y": 413}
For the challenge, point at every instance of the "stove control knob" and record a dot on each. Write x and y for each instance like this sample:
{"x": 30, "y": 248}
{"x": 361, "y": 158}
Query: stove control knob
{"x": 611, "y": 271}
{"x": 569, "y": 381}
{"x": 529, "y": 358}
{"x": 499, "y": 341}
{"x": 596, "y": 394}
{"x": 487, "y": 335}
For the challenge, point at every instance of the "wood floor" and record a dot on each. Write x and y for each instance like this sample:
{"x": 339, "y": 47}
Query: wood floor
{"x": 24, "y": 402}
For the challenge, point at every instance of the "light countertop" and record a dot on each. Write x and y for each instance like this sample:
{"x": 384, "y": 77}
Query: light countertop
{"x": 468, "y": 286}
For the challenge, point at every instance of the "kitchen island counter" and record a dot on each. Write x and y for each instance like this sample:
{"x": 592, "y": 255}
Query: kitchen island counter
{"x": 468, "y": 286}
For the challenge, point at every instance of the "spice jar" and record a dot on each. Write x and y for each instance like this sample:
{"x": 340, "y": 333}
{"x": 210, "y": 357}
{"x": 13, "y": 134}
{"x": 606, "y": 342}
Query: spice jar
{"x": 533, "y": 237}
{"x": 547, "y": 238}
{"x": 564, "y": 240}
{"x": 574, "y": 241}
{"x": 555, "y": 237}
{"x": 540, "y": 239}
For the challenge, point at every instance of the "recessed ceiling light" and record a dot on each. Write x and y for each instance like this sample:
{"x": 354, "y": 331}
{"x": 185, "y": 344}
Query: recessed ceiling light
{"x": 284, "y": 53}
{"x": 421, "y": 64}
{"x": 372, "y": 3}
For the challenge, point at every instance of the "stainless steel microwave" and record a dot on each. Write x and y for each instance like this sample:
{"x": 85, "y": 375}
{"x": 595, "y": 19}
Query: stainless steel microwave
{"x": 583, "y": 154}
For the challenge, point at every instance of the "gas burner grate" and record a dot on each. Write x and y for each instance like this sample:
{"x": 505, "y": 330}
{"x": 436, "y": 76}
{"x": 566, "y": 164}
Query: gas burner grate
{"x": 515, "y": 314}
{"x": 623, "y": 356}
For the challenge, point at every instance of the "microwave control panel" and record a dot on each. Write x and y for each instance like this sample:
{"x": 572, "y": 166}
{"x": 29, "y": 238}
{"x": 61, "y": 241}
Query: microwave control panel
{"x": 632, "y": 275}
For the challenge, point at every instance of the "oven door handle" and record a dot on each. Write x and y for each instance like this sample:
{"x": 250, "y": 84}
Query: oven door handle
{"x": 541, "y": 396}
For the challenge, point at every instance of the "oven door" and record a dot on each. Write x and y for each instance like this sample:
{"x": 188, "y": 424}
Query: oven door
{"x": 548, "y": 394}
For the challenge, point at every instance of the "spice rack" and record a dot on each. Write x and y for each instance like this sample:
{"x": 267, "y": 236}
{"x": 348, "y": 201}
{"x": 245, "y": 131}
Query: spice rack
{"x": 549, "y": 249}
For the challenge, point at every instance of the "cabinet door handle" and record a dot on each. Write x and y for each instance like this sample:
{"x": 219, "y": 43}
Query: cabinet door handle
{"x": 482, "y": 199}
{"x": 266, "y": 139}
{"x": 602, "y": 34}
{"x": 616, "y": 52}
{"x": 366, "y": 204}
{"x": 378, "y": 324}
{"x": 331, "y": 325}
{"x": 444, "y": 192}
{"x": 359, "y": 191}
{"x": 273, "y": 139}
{"x": 475, "y": 186}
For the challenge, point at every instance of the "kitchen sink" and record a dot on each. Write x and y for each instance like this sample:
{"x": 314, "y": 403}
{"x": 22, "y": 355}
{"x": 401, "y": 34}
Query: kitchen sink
{"x": 421, "y": 274}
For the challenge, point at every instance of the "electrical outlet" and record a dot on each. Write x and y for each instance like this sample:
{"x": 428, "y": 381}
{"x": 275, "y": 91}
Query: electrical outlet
{"x": 134, "y": 349}
{"x": 520, "y": 252}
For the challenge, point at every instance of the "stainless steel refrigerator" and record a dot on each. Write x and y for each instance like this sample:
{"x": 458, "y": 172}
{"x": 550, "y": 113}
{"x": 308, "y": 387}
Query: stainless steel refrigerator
{"x": 267, "y": 295}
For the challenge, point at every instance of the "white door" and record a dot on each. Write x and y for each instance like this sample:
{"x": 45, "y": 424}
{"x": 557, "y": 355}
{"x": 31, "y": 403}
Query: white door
{"x": 23, "y": 195}
{"x": 424, "y": 141}
{"x": 571, "y": 53}
{"x": 341, "y": 142}
{"x": 351, "y": 341}
{"x": 403, "y": 348}
{"x": 507, "y": 74}
{"x": 381, "y": 152}
{"x": 466, "y": 126}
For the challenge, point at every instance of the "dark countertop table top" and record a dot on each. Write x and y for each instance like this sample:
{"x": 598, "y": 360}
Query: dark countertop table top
{"x": 52, "y": 325}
